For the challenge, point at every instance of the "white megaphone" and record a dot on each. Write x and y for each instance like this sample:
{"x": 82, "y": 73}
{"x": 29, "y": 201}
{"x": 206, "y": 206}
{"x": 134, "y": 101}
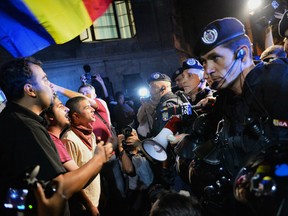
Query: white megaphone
{"x": 156, "y": 147}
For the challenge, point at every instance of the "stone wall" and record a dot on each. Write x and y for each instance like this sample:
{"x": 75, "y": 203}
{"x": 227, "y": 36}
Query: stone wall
{"x": 67, "y": 72}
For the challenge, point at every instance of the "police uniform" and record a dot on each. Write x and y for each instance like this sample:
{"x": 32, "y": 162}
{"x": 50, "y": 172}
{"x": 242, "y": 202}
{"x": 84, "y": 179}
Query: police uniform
{"x": 169, "y": 99}
{"x": 254, "y": 120}
{"x": 164, "y": 176}
{"x": 176, "y": 73}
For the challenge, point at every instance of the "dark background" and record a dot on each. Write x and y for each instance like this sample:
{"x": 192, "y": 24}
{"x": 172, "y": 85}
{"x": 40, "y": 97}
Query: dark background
{"x": 166, "y": 31}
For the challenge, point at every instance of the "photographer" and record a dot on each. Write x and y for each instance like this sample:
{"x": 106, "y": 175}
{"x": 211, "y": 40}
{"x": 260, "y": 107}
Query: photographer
{"x": 53, "y": 206}
{"x": 137, "y": 169}
{"x": 123, "y": 112}
{"x": 145, "y": 116}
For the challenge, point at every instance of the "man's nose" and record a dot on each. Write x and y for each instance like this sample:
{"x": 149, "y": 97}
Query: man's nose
{"x": 209, "y": 69}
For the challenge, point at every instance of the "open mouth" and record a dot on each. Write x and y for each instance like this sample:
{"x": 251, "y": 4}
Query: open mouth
{"x": 67, "y": 116}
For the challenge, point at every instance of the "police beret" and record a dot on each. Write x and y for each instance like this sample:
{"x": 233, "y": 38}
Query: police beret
{"x": 218, "y": 32}
{"x": 157, "y": 76}
{"x": 176, "y": 73}
{"x": 283, "y": 25}
{"x": 191, "y": 63}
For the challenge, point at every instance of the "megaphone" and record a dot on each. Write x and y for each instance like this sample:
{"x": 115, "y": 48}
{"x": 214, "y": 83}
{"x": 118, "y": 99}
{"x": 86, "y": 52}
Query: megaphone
{"x": 156, "y": 147}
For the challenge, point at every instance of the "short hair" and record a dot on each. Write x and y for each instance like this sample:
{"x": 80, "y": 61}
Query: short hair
{"x": 172, "y": 203}
{"x": 14, "y": 75}
{"x": 118, "y": 94}
{"x": 276, "y": 50}
{"x": 237, "y": 42}
{"x": 86, "y": 85}
{"x": 73, "y": 104}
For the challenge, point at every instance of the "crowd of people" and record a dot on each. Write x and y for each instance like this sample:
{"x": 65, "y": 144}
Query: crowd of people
{"x": 180, "y": 153}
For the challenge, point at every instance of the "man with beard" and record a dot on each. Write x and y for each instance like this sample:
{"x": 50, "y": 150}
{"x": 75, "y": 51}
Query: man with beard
{"x": 57, "y": 121}
{"x": 24, "y": 140}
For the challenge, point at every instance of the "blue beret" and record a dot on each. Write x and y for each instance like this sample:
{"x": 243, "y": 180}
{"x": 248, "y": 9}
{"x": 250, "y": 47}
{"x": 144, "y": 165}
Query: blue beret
{"x": 283, "y": 25}
{"x": 218, "y": 32}
{"x": 191, "y": 63}
{"x": 157, "y": 76}
{"x": 176, "y": 73}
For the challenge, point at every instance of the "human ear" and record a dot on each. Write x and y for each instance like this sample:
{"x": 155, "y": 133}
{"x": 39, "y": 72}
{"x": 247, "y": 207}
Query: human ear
{"x": 29, "y": 90}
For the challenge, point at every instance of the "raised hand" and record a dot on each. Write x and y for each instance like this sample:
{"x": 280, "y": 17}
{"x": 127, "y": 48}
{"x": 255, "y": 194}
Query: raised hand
{"x": 99, "y": 78}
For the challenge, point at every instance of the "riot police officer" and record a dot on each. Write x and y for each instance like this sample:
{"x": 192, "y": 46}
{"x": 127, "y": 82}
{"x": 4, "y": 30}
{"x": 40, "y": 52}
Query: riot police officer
{"x": 250, "y": 100}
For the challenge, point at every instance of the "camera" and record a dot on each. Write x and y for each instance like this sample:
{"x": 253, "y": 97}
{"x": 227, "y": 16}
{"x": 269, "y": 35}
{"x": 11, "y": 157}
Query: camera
{"x": 265, "y": 15}
{"x": 126, "y": 131}
{"x": 20, "y": 198}
{"x": 184, "y": 109}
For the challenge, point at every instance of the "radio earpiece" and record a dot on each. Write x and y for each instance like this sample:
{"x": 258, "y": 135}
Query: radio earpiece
{"x": 240, "y": 54}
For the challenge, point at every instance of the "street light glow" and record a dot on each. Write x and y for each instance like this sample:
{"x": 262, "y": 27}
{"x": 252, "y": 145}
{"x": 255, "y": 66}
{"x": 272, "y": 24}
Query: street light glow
{"x": 254, "y": 4}
{"x": 143, "y": 92}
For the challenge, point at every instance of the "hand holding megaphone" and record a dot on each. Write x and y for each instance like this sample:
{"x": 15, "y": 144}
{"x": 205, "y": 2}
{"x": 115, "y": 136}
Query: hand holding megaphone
{"x": 156, "y": 147}
{"x": 176, "y": 139}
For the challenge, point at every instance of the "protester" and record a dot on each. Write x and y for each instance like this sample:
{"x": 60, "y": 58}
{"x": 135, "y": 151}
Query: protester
{"x": 28, "y": 92}
{"x": 58, "y": 121}
{"x": 80, "y": 142}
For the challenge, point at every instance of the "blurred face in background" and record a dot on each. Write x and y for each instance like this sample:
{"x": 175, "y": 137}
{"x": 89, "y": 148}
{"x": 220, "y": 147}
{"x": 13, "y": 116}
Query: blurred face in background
{"x": 88, "y": 92}
{"x": 155, "y": 90}
{"x": 285, "y": 44}
{"x": 121, "y": 99}
{"x": 178, "y": 81}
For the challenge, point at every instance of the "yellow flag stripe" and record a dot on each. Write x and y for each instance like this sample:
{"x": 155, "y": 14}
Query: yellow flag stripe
{"x": 63, "y": 19}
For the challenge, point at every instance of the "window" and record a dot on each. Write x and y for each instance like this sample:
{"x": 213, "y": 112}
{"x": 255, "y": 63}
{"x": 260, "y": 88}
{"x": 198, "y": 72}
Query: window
{"x": 116, "y": 23}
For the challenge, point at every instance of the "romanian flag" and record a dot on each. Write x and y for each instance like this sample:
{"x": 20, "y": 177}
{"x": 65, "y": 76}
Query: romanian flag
{"x": 27, "y": 26}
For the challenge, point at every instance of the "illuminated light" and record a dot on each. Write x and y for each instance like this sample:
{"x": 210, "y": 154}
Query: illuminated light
{"x": 254, "y": 4}
{"x": 21, "y": 207}
{"x": 30, "y": 206}
{"x": 143, "y": 92}
{"x": 281, "y": 170}
{"x": 8, "y": 205}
